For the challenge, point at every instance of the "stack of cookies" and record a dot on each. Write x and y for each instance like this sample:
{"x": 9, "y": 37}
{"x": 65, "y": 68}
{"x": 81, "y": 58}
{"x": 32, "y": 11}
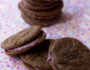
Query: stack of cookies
{"x": 39, "y": 53}
{"x": 41, "y": 12}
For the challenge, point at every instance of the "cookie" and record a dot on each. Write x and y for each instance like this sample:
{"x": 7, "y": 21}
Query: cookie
{"x": 28, "y": 66}
{"x": 24, "y": 40}
{"x": 40, "y": 22}
{"x": 41, "y": 1}
{"x": 41, "y": 12}
{"x": 29, "y": 12}
{"x": 36, "y": 59}
{"x": 41, "y": 7}
{"x": 69, "y": 54}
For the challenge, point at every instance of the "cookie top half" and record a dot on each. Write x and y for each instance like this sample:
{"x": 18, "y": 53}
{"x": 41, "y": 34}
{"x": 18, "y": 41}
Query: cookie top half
{"x": 21, "y": 37}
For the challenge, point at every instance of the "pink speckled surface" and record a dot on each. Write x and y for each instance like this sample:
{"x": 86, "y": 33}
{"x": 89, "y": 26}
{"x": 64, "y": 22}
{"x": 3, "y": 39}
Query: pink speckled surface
{"x": 75, "y": 23}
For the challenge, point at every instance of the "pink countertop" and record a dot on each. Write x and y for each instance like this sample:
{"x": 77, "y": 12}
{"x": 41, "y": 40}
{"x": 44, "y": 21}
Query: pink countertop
{"x": 75, "y": 23}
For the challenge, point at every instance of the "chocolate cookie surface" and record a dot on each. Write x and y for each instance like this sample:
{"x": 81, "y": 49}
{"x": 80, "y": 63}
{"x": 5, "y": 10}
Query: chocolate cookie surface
{"x": 42, "y": 1}
{"x": 24, "y": 41}
{"x": 44, "y": 22}
{"x": 32, "y": 13}
{"x": 69, "y": 54}
{"x": 21, "y": 37}
{"x": 37, "y": 58}
{"x": 41, "y": 7}
{"x": 28, "y": 66}
{"x": 41, "y": 12}
{"x": 28, "y": 46}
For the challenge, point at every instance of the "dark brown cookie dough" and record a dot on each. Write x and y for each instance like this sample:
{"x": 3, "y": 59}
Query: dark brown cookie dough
{"x": 37, "y": 57}
{"x": 24, "y": 40}
{"x": 69, "y": 54}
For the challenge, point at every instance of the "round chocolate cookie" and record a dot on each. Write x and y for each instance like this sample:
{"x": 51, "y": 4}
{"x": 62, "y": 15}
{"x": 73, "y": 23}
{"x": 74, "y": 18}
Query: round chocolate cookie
{"x": 41, "y": 7}
{"x": 24, "y": 40}
{"x": 50, "y": 13}
{"x": 69, "y": 54}
{"x": 36, "y": 59}
{"x": 41, "y": 12}
{"x": 42, "y": 1}
{"x": 40, "y": 22}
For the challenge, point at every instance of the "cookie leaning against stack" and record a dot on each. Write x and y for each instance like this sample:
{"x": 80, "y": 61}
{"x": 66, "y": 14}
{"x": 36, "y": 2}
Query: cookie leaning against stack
{"x": 41, "y": 12}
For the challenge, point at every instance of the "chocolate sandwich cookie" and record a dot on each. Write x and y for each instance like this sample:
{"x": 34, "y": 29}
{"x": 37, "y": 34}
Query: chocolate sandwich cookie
{"x": 69, "y": 54}
{"x": 29, "y": 12}
{"x": 42, "y": 1}
{"x": 36, "y": 59}
{"x": 41, "y": 7}
{"x": 24, "y": 40}
{"x": 46, "y": 18}
{"x": 41, "y": 22}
